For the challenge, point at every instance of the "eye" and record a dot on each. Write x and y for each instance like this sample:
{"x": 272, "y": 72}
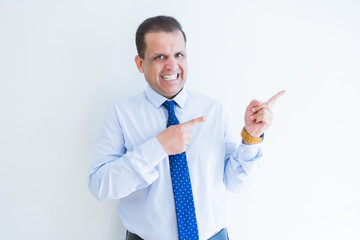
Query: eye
{"x": 160, "y": 57}
{"x": 179, "y": 54}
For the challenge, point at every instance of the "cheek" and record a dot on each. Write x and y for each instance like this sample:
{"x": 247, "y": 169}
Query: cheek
{"x": 155, "y": 69}
{"x": 184, "y": 69}
{"x": 183, "y": 65}
{"x": 150, "y": 70}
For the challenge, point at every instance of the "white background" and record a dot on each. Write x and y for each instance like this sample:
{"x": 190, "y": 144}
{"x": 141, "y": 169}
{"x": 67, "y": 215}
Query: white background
{"x": 62, "y": 63}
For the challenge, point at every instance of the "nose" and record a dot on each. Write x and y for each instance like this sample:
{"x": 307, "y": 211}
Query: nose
{"x": 171, "y": 63}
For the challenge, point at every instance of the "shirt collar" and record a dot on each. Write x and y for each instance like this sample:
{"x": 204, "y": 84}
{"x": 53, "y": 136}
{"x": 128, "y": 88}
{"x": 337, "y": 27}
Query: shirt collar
{"x": 157, "y": 100}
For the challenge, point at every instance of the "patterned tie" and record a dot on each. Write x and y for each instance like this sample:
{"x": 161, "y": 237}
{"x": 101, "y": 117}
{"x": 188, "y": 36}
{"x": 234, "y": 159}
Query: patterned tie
{"x": 184, "y": 202}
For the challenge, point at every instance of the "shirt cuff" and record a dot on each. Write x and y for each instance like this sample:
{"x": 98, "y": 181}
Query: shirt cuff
{"x": 249, "y": 152}
{"x": 247, "y": 156}
{"x": 153, "y": 152}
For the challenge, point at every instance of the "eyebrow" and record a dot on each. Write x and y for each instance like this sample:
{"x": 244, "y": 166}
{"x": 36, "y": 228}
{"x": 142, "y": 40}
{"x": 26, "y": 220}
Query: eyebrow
{"x": 180, "y": 51}
{"x": 157, "y": 54}
{"x": 154, "y": 55}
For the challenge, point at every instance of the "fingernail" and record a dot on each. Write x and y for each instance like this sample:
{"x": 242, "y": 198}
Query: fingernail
{"x": 251, "y": 117}
{"x": 253, "y": 109}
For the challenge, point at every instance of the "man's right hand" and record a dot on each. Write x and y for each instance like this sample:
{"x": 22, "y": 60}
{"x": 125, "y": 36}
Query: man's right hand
{"x": 176, "y": 138}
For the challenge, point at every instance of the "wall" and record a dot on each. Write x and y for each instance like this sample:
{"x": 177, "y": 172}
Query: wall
{"x": 63, "y": 62}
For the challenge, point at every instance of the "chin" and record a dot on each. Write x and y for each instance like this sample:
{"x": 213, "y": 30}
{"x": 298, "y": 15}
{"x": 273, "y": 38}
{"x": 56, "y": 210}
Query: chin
{"x": 171, "y": 94}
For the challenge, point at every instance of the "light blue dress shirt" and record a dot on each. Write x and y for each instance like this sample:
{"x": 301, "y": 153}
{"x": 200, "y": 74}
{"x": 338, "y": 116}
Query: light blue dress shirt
{"x": 129, "y": 164}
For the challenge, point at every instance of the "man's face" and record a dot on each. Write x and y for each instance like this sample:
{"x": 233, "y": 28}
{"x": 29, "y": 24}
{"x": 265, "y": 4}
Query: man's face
{"x": 164, "y": 64}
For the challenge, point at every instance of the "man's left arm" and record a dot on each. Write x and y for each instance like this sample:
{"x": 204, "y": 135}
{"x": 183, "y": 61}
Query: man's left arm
{"x": 242, "y": 163}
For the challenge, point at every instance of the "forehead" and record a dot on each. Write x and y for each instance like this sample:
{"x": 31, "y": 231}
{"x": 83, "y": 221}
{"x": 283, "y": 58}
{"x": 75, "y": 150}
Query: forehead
{"x": 164, "y": 42}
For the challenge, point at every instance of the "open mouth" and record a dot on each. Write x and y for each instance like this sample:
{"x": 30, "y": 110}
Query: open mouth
{"x": 170, "y": 77}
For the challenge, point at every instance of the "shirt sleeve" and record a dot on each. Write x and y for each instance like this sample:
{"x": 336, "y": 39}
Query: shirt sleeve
{"x": 241, "y": 160}
{"x": 242, "y": 166}
{"x": 116, "y": 172}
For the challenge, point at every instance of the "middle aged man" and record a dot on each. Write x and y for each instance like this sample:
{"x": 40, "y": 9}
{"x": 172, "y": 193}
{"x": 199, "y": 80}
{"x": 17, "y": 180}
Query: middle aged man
{"x": 169, "y": 155}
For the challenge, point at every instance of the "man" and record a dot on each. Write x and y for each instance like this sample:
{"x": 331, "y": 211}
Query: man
{"x": 169, "y": 155}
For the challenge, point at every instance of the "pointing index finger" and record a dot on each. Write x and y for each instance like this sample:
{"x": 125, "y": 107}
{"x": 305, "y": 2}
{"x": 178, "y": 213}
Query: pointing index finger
{"x": 194, "y": 122}
{"x": 274, "y": 98}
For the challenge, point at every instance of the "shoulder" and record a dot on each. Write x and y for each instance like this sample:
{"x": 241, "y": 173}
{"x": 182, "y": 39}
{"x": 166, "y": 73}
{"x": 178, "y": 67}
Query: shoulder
{"x": 125, "y": 106}
{"x": 202, "y": 100}
{"x": 129, "y": 103}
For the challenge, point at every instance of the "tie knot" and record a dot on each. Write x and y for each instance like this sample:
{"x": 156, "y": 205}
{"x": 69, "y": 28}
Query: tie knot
{"x": 172, "y": 119}
{"x": 169, "y": 105}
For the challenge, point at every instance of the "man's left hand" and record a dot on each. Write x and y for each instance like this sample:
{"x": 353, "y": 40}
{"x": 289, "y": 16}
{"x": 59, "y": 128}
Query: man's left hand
{"x": 259, "y": 116}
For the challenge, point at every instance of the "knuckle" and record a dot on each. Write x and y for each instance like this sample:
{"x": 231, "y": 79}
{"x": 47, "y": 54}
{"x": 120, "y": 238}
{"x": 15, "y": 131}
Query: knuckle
{"x": 181, "y": 128}
{"x": 183, "y": 137}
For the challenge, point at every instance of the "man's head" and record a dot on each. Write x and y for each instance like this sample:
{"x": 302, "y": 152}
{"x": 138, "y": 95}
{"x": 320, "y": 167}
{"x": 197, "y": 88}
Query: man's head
{"x": 155, "y": 24}
{"x": 160, "y": 42}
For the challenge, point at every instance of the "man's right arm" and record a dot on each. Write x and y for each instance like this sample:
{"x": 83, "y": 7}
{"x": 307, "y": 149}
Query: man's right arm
{"x": 115, "y": 172}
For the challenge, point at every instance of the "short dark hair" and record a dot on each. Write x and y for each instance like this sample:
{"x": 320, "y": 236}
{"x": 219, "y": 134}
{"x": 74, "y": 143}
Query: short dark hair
{"x": 155, "y": 24}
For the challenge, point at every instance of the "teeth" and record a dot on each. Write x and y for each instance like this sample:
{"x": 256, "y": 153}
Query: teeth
{"x": 168, "y": 77}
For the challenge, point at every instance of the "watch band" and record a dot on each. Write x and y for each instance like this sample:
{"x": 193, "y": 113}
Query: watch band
{"x": 250, "y": 139}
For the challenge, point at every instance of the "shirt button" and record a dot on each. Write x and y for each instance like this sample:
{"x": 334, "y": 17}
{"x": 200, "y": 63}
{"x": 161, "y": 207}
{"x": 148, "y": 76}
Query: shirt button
{"x": 242, "y": 150}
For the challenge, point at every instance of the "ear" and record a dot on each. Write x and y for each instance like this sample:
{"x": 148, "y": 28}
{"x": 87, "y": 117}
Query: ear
{"x": 139, "y": 63}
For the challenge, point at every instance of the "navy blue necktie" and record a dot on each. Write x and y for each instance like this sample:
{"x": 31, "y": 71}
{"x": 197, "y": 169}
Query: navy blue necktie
{"x": 184, "y": 202}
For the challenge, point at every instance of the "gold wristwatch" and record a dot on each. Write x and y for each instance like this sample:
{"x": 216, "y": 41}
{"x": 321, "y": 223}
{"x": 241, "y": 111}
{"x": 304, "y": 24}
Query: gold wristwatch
{"x": 250, "y": 139}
